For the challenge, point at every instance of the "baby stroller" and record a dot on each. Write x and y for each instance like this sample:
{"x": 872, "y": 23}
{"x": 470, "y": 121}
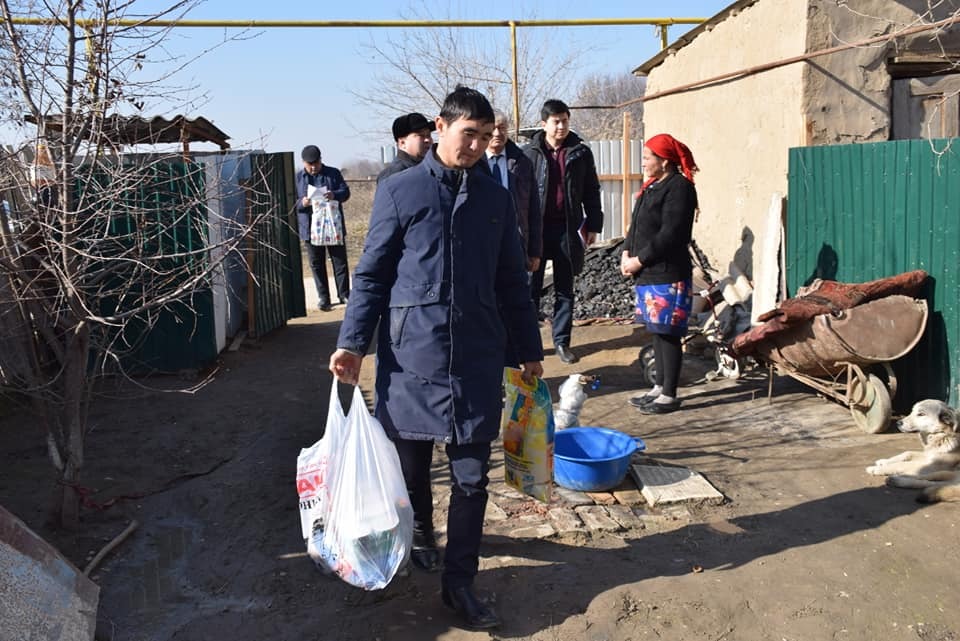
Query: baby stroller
{"x": 724, "y": 317}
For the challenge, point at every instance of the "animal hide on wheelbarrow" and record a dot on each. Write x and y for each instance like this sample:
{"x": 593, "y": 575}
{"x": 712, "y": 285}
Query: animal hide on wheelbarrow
{"x": 825, "y": 297}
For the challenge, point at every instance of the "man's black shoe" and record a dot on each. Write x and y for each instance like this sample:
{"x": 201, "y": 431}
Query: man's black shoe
{"x": 565, "y": 355}
{"x": 474, "y": 614}
{"x": 425, "y": 554}
{"x": 324, "y": 307}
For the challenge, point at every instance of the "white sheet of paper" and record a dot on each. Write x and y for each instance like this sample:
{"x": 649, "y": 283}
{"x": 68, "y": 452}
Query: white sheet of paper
{"x": 317, "y": 193}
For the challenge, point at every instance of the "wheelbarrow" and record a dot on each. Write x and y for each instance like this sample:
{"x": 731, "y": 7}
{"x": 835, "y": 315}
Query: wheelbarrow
{"x": 834, "y": 353}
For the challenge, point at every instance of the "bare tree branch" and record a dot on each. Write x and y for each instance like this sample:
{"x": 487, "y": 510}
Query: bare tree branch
{"x": 95, "y": 246}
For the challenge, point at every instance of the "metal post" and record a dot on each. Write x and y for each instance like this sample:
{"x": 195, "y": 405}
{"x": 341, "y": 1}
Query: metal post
{"x": 516, "y": 82}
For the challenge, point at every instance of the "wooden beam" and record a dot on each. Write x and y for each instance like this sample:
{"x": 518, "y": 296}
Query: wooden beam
{"x": 626, "y": 210}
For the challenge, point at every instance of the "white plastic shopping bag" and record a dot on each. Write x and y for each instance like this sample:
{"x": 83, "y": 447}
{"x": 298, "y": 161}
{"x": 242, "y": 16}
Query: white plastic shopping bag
{"x": 364, "y": 530}
{"x": 326, "y": 224}
{"x": 313, "y": 479}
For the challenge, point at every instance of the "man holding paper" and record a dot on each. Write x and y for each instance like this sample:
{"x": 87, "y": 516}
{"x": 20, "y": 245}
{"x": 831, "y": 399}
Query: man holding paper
{"x": 317, "y": 182}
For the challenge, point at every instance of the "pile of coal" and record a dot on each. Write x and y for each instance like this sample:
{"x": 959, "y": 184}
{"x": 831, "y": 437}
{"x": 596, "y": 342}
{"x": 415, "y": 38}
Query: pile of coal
{"x": 600, "y": 291}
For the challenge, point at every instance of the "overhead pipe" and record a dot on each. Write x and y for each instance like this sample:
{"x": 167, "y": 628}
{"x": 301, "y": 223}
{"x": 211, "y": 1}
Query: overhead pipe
{"x": 662, "y": 25}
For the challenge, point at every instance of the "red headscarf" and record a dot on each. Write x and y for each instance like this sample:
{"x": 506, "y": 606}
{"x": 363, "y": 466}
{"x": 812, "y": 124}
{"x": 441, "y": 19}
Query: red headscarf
{"x": 669, "y": 148}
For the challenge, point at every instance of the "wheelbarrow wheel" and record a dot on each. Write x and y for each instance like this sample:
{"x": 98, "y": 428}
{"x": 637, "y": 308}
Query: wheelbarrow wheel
{"x": 648, "y": 365}
{"x": 871, "y": 406}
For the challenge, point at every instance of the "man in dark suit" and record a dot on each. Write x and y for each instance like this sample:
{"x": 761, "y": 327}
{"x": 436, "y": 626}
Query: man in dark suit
{"x": 515, "y": 172}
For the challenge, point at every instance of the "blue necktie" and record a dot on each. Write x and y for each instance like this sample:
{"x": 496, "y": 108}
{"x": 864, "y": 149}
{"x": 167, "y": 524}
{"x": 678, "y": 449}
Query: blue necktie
{"x": 495, "y": 170}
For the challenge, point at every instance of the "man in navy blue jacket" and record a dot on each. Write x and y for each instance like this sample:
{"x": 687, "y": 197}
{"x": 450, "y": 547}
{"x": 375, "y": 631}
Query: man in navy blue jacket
{"x": 443, "y": 272}
{"x": 329, "y": 180}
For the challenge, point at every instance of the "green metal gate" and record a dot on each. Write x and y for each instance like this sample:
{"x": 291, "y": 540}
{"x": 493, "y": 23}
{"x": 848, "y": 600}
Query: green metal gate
{"x": 275, "y": 285}
{"x": 861, "y": 212}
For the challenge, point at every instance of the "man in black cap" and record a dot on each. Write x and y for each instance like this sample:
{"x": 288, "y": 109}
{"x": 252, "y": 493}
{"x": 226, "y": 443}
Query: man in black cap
{"x": 331, "y": 184}
{"x": 412, "y": 133}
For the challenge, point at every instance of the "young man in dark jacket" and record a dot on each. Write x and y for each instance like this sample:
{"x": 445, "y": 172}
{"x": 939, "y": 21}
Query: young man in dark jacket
{"x": 569, "y": 191}
{"x": 330, "y": 180}
{"x": 443, "y": 274}
{"x": 412, "y": 132}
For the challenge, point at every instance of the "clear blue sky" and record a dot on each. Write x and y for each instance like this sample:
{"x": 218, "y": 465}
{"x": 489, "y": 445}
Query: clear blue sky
{"x": 279, "y": 89}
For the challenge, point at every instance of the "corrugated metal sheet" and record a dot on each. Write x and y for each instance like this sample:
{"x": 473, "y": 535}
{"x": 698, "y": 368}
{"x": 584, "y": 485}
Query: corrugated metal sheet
{"x": 226, "y": 199}
{"x": 860, "y": 212}
{"x": 276, "y": 271}
{"x": 159, "y": 204}
{"x": 608, "y": 155}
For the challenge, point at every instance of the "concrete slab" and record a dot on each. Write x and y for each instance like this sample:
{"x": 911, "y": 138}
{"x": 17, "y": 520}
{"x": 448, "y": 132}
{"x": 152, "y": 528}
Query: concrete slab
{"x": 602, "y": 498}
{"x": 528, "y": 526}
{"x": 623, "y": 515}
{"x": 597, "y": 519}
{"x": 628, "y": 494}
{"x": 573, "y": 497}
{"x": 565, "y": 521}
{"x": 664, "y": 485}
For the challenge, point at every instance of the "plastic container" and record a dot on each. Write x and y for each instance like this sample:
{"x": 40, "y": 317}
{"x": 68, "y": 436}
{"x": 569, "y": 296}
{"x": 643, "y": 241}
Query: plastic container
{"x": 592, "y": 459}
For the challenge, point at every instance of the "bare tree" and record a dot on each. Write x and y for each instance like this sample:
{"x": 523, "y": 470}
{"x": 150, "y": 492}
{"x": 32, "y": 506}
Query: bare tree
{"x": 604, "y": 93}
{"x": 419, "y": 67}
{"x": 94, "y": 245}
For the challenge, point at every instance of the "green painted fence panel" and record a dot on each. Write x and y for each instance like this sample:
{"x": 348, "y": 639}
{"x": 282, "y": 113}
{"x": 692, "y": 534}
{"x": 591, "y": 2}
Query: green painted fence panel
{"x": 273, "y": 255}
{"x": 860, "y": 212}
{"x": 159, "y": 204}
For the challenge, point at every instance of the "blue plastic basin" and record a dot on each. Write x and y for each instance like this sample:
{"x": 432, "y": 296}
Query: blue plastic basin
{"x": 592, "y": 459}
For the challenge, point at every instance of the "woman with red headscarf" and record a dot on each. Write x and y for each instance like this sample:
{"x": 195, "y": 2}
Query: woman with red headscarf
{"x": 655, "y": 254}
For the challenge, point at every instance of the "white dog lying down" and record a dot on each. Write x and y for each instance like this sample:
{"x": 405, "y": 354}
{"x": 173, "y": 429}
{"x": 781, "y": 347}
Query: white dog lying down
{"x": 936, "y": 469}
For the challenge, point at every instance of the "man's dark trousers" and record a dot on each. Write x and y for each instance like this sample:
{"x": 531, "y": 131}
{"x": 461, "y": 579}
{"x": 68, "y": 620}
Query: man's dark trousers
{"x": 554, "y": 240}
{"x": 317, "y": 256}
{"x": 469, "y": 465}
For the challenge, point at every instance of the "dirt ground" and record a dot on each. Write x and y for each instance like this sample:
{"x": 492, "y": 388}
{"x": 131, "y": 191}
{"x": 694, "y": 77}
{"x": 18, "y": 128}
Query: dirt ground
{"x": 806, "y": 546}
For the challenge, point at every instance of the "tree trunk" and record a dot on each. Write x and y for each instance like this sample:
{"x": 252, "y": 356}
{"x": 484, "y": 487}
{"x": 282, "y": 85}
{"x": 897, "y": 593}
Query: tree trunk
{"x": 73, "y": 424}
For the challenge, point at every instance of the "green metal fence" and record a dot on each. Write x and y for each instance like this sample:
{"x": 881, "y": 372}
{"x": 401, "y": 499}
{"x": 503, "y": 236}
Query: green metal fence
{"x": 273, "y": 255}
{"x": 861, "y": 212}
{"x": 161, "y": 207}
{"x": 156, "y": 210}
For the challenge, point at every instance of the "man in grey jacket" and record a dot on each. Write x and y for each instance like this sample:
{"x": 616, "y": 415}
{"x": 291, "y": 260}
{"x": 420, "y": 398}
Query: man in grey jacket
{"x": 443, "y": 273}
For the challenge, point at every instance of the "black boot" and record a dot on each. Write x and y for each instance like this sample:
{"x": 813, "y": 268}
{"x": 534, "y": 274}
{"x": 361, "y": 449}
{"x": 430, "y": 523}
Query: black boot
{"x": 425, "y": 554}
{"x": 475, "y": 614}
